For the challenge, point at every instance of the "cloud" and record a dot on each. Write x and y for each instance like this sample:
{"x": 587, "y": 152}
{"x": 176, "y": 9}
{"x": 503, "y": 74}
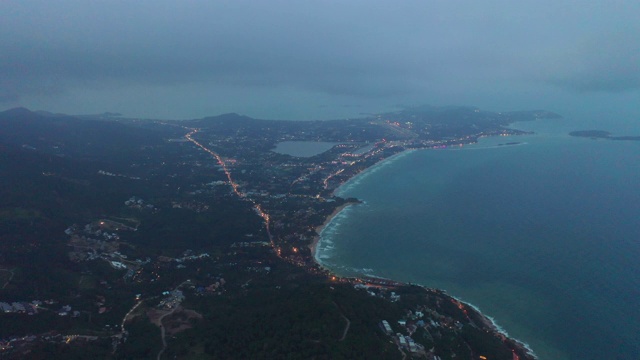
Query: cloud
{"x": 274, "y": 45}
{"x": 607, "y": 63}
{"x": 374, "y": 50}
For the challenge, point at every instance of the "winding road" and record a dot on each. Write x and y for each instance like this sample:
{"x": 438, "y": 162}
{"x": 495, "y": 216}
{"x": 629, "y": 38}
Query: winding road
{"x": 10, "y": 277}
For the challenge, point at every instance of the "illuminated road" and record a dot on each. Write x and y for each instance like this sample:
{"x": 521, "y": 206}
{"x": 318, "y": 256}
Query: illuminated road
{"x": 126, "y": 317}
{"x": 326, "y": 181}
{"x": 234, "y": 185}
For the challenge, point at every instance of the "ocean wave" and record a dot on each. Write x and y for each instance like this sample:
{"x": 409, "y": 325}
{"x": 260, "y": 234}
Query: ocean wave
{"x": 332, "y": 226}
{"x": 498, "y": 328}
{"x": 364, "y": 271}
{"x": 328, "y": 231}
{"x": 370, "y": 273}
{"x": 325, "y": 246}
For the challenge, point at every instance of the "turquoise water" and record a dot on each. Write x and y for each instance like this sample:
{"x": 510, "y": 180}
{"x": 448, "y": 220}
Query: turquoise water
{"x": 544, "y": 237}
{"x": 303, "y": 148}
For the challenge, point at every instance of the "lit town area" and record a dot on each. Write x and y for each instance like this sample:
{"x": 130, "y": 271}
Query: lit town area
{"x": 131, "y": 238}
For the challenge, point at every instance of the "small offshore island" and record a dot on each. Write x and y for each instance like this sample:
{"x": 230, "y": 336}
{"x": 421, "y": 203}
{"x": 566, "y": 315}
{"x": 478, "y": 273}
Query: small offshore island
{"x": 601, "y": 134}
{"x": 133, "y": 238}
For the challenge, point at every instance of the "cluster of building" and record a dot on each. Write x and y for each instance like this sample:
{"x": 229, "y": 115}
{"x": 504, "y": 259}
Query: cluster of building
{"x": 171, "y": 299}
{"x": 93, "y": 230}
{"x": 377, "y": 291}
{"x": 423, "y": 317}
{"x": 244, "y": 244}
{"x": 66, "y": 310}
{"x": 190, "y": 205}
{"x": 90, "y": 242}
{"x": 404, "y": 342}
{"x": 214, "y": 288}
{"x": 138, "y": 203}
{"x": 20, "y": 307}
{"x": 16, "y": 344}
{"x": 32, "y": 308}
{"x": 108, "y": 173}
{"x": 99, "y": 240}
{"x": 187, "y": 256}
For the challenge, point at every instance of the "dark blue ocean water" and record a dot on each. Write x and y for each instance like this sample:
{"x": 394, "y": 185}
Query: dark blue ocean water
{"x": 544, "y": 237}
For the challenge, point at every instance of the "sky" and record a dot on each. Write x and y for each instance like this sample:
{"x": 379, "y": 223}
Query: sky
{"x": 304, "y": 60}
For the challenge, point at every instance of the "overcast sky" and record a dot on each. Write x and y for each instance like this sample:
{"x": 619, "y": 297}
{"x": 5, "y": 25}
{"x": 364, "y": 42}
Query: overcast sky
{"x": 317, "y": 59}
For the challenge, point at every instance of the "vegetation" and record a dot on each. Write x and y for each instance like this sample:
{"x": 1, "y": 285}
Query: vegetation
{"x": 204, "y": 248}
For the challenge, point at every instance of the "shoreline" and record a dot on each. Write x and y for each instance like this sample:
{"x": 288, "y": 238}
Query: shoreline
{"x": 488, "y": 322}
{"x": 316, "y": 240}
{"x": 373, "y": 168}
{"x": 491, "y": 323}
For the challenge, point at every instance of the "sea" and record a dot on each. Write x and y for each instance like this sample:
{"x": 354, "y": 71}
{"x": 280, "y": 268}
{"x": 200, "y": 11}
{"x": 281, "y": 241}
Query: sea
{"x": 543, "y": 235}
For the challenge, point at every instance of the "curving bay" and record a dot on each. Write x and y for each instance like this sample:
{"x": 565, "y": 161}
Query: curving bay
{"x": 543, "y": 237}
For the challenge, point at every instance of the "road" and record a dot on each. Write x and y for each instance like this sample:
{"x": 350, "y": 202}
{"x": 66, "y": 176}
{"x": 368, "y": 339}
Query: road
{"x": 162, "y": 332}
{"x": 10, "y": 277}
{"x": 234, "y": 186}
{"x": 346, "y": 328}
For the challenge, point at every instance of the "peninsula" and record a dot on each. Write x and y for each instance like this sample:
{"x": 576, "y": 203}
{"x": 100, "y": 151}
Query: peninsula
{"x": 136, "y": 238}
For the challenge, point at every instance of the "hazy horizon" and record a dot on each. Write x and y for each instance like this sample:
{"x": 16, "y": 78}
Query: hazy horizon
{"x": 293, "y": 60}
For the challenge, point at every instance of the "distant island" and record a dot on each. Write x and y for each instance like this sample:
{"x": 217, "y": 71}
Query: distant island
{"x": 601, "y": 134}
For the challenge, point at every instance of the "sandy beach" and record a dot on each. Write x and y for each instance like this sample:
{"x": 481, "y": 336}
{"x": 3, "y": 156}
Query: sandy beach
{"x": 486, "y": 322}
{"x": 314, "y": 244}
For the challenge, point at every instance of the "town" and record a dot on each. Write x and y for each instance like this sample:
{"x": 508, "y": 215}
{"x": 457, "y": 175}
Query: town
{"x": 196, "y": 219}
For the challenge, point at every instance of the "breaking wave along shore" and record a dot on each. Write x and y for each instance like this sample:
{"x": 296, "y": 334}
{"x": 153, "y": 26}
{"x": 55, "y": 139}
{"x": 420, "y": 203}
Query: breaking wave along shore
{"x": 323, "y": 245}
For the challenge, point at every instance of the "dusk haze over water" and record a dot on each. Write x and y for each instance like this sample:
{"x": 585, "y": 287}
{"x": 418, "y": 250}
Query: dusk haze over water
{"x": 478, "y": 190}
{"x": 318, "y": 60}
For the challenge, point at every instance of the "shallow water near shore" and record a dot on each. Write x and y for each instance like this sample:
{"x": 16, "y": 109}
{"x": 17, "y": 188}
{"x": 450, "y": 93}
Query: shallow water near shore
{"x": 542, "y": 236}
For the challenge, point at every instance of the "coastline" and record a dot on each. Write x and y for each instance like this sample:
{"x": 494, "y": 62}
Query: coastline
{"x": 316, "y": 240}
{"x": 487, "y": 322}
{"x": 490, "y": 323}
{"x": 372, "y": 169}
